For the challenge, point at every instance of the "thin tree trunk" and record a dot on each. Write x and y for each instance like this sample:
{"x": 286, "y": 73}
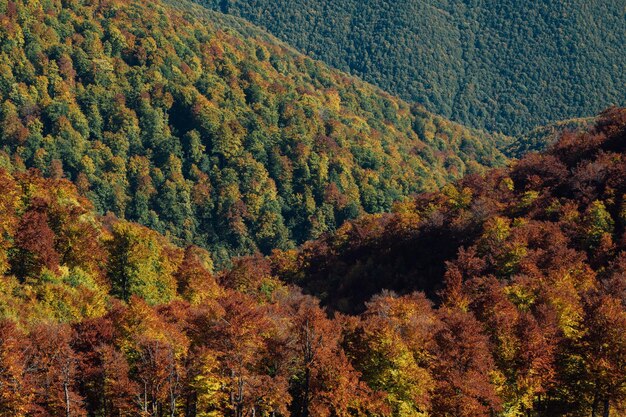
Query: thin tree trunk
{"x": 307, "y": 387}
{"x": 607, "y": 406}
{"x": 594, "y": 407}
{"x": 596, "y": 403}
{"x": 67, "y": 399}
{"x": 173, "y": 384}
{"x": 308, "y": 356}
{"x": 240, "y": 397}
{"x": 190, "y": 406}
{"x": 172, "y": 402}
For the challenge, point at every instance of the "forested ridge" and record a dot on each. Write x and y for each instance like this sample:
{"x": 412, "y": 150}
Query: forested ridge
{"x": 501, "y": 65}
{"x": 104, "y": 317}
{"x": 535, "y": 253}
{"x": 205, "y": 128}
{"x": 388, "y": 269}
{"x": 541, "y": 138}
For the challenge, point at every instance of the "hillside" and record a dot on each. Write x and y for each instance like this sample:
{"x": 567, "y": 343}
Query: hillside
{"x": 541, "y": 138}
{"x": 207, "y": 129}
{"x": 535, "y": 252}
{"x": 506, "y": 66}
{"x": 103, "y": 317}
{"x": 577, "y": 177}
{"x": 100, "y": 317}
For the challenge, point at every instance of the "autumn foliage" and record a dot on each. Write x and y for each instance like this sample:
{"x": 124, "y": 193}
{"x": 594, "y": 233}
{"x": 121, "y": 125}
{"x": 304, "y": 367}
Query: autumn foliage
{"x": 206, "y": 128}
{"x": 530, "y": 257}
{"x": 522, "y": 309}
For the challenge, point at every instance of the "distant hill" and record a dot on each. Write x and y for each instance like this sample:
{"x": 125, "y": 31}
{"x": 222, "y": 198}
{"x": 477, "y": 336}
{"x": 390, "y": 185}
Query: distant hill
{"x": 208, "y": 129}
{"x": 506, "y": 66}
{"x": 542, "y": 137}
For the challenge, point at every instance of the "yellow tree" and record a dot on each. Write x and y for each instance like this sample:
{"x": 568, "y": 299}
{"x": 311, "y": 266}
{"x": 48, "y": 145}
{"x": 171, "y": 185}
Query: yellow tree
{"x": 391, "y": 347}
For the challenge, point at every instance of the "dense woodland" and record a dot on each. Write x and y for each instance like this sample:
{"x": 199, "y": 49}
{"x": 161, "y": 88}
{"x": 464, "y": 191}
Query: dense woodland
{"x": 144, "y": 145}
{"x": 103, "y": 317}
{"x": 541, "y": 138}
{"x": 171, "y": 118}
{"x": 501, "y": 65}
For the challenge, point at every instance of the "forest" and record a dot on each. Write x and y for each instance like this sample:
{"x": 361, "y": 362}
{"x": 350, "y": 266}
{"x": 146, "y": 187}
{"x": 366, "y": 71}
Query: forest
{"x": 541, "y": 138}
{"x": 209, "y": 130}
{"x": 196, "y": 220}
{"x": 523, "y": 312}
{"x": 502, "y": 65}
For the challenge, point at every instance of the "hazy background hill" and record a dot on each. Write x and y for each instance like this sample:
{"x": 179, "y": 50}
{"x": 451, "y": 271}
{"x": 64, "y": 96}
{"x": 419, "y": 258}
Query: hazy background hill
{"x": 504, "y": 66}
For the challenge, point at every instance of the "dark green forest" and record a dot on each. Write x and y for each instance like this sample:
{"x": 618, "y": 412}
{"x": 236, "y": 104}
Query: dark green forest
{"x": 207, "y": 129}
{"x": 541, "y": 138}
{"x": 506, "y": 66}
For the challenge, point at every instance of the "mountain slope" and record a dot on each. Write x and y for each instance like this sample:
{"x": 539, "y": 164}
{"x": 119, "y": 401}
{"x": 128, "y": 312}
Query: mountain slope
{"x": 577, "y": 182}
{"x": 504, "y": 66}
{"x": 103, "y": 317}
{"x": 541, "y": 138}
{"x": 536, "y": 253}
{"x": 204, "y": 127}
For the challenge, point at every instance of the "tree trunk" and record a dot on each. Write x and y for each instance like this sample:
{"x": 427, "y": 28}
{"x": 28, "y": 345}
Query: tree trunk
{"x": 607, "y": 406}
{"x": 595, "y": 406}
{"x": 172, "y": 402}
{"x": 190, "y": 404}
{"x": 67, "y": 399}
{"x": 239, "y": 410}
{"x": 307, "y": 387}
{"x": 308, "y": 358}
{"x": 145, "y": 398}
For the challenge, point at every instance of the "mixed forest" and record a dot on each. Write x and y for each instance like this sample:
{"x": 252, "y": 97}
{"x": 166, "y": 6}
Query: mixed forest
{"x": 501, "y": 65}
{"x": 541, "y": 138}
{"x": 196, "y": 220}
{"x": 206, "y": 129}
{"x": 103, "y": 317}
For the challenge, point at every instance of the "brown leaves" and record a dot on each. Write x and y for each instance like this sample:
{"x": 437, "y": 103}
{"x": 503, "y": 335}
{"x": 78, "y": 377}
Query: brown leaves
{"x": 35, "y": 241}
{"x": 463, "y": 368}
{"x": 16, "y": 394}
{"x": 52, "y": 366}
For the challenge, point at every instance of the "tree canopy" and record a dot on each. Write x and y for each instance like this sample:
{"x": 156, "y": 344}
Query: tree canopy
{"x": 206, "y": 128}
{"x": 524, "y": 311}
{"x": 501, "y": 65}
